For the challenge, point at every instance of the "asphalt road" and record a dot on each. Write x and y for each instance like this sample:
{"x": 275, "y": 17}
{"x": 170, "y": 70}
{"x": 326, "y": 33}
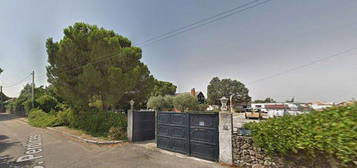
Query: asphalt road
{"x": 24, "y": 146}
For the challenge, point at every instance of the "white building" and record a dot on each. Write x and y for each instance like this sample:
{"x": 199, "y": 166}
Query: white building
{"x": 321, "y": 105}
{"x": 277, "y": 109}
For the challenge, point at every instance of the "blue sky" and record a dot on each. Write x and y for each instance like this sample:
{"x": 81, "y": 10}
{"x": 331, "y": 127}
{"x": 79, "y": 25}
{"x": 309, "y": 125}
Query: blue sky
{"x": 257, "y": 43}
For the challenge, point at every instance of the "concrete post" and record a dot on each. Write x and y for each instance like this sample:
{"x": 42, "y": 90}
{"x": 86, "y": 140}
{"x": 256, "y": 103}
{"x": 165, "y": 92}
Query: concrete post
{"x": 225, "y": 137}
{"x": 130, "y": 121}
{"x": 130, "y": 125}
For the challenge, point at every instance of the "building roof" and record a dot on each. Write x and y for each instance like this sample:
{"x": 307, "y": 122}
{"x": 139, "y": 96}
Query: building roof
{"x": 276, "y": 106}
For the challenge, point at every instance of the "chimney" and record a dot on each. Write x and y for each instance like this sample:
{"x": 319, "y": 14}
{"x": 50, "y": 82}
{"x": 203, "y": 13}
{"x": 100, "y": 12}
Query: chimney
{"x": 193, "y": 92}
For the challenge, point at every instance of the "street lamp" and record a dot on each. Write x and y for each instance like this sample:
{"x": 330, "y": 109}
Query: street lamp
{"x": 224, "y": 101}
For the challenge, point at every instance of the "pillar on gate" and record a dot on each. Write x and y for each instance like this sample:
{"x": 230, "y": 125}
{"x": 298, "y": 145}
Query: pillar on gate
{"x": 225, "y": 129}
{"x": 129, "y": 129}
{"x": 225, "y": 137}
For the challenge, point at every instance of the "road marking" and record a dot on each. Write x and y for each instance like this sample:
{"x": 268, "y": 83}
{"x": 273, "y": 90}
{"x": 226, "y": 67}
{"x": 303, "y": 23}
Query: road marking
{"x": 33, "y": 147}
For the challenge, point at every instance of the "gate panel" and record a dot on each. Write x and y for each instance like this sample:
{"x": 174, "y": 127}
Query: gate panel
{"x": 189, "y": 133}
{"x": 143, "y": 125}
{"x": 204, "y": 136}
{"x": 172, "y": 133}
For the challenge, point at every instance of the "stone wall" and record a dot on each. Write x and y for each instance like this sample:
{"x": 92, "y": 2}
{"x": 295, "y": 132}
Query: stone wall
{"x": 246, "y": 155}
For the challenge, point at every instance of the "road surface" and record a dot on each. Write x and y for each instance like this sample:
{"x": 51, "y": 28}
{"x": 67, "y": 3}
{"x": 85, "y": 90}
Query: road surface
{"x": 23, "y": 146}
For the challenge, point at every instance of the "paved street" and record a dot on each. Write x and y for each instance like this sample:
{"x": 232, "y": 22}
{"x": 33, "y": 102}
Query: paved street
{"x": 24, "y": 146}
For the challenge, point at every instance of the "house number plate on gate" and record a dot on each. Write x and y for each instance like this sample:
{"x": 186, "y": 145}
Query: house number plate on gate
{"x": 202, "y": 123}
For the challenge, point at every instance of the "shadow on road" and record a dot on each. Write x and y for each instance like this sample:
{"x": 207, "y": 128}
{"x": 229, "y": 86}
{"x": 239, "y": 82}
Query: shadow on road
{"x": 6, "y": 161}
{"x": 7, "y": 116}
{"x": 5, "y": 145}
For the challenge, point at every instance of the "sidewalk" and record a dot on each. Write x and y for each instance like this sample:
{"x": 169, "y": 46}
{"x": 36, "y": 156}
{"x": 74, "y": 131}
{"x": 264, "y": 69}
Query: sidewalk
{"x": 83, "y": 137}
{"x": 77, "y": 134}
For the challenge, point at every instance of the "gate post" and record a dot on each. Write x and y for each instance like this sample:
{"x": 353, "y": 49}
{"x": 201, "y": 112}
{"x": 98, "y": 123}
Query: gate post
{"x": 225, "y": 137}
{"x": 129, "y": 129}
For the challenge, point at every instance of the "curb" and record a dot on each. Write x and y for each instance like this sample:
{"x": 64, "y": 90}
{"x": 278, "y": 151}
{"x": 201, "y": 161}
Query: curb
{"x": 86, "y": 140}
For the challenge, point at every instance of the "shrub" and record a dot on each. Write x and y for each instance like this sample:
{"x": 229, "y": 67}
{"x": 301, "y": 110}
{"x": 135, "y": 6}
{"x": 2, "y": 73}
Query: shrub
{"x": 332, "y": 131}
{"x": 39, "y": 118}
{"x": 65, "y": 117}
{"x": 202, "y": 107}
{"x": 117, "y": 133}
{"x": 46, "y": 103}
{"x": 96, "y": 122}
{"x": 185, "y": 102}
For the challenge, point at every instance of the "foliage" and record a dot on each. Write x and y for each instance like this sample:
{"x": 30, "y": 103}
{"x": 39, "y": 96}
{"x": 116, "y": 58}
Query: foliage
{"x": 47, "y": 103}
{"x": 1, "y": 70}
{"x": 226, "y": 87}
{"x": 65, "y": 117}
{"x": 185, "y": 102}
{"x": 332, "y": 131}
{"x": 202, "y": 107}
{"x": 266, "y": 100}
{"x": 39, "y": 118}
{"x": 117, "y": 133}
{"x": 3, "y": 97}
{"x": 24, "y": 101}
{"x": 163, "y": 88}
{"x": 96, "y": 122}
{"x": 114, "y": 80}
{"x": 160, "y": 102}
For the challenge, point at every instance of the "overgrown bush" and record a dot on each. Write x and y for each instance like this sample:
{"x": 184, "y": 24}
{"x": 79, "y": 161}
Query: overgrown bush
{"x": 185, "y": 102}
{"x": 65, "y": 117}
{"x": 47, "y": 103}
{"x": 332, "y": 131}
{"x": 39, "y": 118}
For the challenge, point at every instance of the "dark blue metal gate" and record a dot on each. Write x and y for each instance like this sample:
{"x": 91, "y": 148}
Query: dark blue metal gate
{"x": 194, "y": 134}
{"x": 143, "y": 125}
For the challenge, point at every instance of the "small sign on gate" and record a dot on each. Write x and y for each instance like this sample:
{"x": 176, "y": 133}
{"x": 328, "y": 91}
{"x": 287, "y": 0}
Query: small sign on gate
{"x": 202, "y": 123}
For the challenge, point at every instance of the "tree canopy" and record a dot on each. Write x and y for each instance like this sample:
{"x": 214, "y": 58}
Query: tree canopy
{"x": 266, "y": 100}
{"x": 163, "y": 88}
{"x": 93, "y": 64}
{"x": 226, "y": 87}
{"x": 185, "y": 102}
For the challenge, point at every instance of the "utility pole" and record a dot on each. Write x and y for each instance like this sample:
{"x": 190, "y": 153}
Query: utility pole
{"x": 1, "y": 107}
{"x": 33, "y": 89}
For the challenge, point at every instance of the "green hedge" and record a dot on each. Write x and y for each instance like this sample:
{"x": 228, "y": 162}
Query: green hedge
{"x": 94, "y": 122}
{"x": 332, "y": 131}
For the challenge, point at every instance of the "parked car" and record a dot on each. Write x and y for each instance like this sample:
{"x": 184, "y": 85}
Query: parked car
{"x": 253, "y": 114}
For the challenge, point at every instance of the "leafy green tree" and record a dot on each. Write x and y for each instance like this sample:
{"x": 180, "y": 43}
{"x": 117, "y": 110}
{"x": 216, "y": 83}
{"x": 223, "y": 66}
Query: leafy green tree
{"x": 266, "y": 100}
{"x": 160, "y": 102}
{"x": 185, "y": 102}
{"x": 163, "y": 88}
{"x": 25, "y": 99}
{"x": 91, "y": 64}
{"x": 226, "y": 87}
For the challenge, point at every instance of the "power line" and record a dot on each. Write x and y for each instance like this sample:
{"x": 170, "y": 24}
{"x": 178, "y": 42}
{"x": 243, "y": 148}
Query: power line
{"x": 205, "y": 22}
{"x": 303, "y": 65}
{"x": 196, "y": 22}
{"x": 183, "y": 29}
{"x": 18, "y": 83}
